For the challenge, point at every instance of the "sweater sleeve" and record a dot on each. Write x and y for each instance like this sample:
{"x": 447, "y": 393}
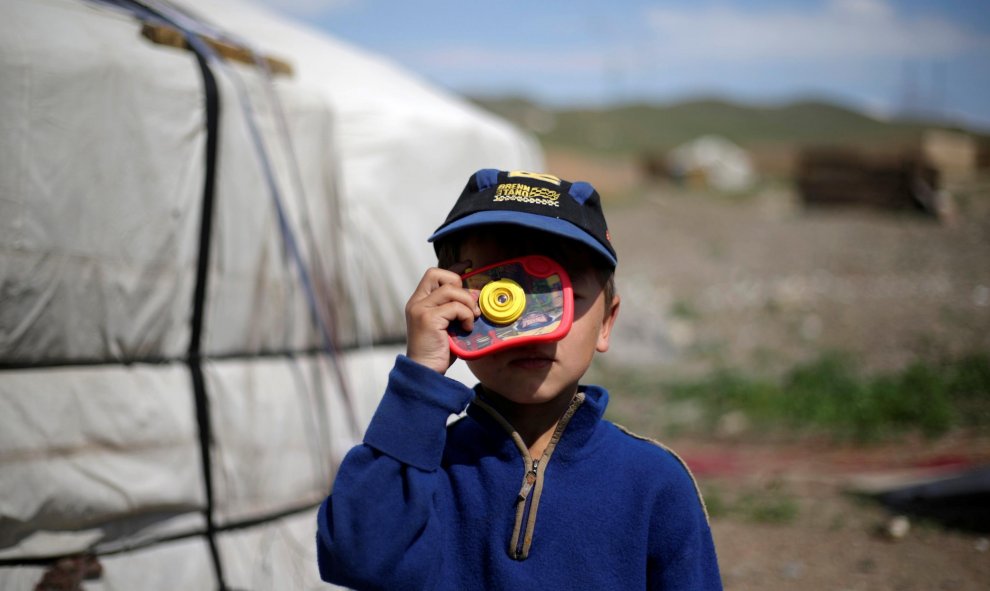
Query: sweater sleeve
{"x": 378, "y": 529}
{"x": 682, "y": 552}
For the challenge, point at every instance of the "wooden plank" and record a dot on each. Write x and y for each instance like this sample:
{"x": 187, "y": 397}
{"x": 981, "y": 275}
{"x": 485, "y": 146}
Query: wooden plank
{"x": 169, "y": 36}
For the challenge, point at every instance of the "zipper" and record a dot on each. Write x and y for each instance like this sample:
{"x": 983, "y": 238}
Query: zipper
{"x": 527, "y": 499}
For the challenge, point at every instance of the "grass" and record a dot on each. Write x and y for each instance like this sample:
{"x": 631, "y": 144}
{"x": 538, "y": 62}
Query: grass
{"x": 653, "y": 128}
{"x": 771, "y": 503}
{"x": 830, "y": 395}
{"x": 684, "y": 310}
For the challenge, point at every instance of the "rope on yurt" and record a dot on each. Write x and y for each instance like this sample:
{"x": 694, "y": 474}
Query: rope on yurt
{"x": 317, "y": 313}
{"x": 204, "y": 56}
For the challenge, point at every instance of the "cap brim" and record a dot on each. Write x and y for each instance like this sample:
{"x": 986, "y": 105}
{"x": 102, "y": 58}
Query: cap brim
{"x": 529, "y": 220}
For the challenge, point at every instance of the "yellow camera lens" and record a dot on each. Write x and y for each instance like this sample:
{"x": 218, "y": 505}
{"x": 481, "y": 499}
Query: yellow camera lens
{"x": 502, "y": 301}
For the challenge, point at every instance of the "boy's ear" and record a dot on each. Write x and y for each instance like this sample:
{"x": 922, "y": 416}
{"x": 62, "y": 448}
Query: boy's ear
{"x": 608, "y": 322}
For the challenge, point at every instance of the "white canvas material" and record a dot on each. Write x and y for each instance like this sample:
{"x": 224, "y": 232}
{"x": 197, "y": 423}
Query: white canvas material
{"x": 102, "y": 141}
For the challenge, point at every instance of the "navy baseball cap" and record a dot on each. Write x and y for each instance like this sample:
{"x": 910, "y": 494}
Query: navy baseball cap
{"x": 533, "y": 200}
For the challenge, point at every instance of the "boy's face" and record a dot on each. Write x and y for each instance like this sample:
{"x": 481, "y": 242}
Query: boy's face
{"x": 540, "y": 372}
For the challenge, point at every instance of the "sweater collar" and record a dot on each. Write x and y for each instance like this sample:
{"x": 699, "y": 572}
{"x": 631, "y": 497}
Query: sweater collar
{"x": 579, "y": 429}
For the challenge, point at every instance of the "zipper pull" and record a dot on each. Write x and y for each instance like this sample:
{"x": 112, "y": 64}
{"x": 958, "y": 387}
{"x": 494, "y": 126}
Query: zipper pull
{"x": 530, "y": 481}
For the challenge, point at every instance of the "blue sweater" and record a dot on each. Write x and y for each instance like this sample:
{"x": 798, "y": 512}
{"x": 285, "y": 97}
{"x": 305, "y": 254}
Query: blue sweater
{"x": 421, "y": 505}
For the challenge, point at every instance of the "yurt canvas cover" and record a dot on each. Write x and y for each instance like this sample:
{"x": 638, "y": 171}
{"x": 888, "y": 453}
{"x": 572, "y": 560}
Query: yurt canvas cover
{"x": 203, "y": 264}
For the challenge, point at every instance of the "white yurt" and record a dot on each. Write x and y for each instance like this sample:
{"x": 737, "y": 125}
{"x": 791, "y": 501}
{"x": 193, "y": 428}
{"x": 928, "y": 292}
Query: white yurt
{"x": 210, "y": 220}
{"x": 716, "y": 161}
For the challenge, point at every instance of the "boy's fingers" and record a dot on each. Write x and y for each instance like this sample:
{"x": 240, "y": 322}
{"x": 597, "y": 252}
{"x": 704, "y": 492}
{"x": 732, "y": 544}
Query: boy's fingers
{"x": 455, "y": 311}
{"x": 427, "y": 339}
{"x": 438, "y": 287}
{"x": 439, "y": 313}
{"x": 440, "y": 301}
{"x": 450, "y": 293}
{"x": 434, "y": 279}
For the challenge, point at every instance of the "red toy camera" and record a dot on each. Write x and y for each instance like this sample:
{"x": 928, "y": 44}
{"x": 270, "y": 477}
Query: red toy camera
{"x": 523, "y": 300}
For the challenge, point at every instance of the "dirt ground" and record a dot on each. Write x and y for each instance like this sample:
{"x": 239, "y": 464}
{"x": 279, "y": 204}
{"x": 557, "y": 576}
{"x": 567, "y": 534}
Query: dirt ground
{"x": 832, "y": 536}
{"x": 758, "y": 282}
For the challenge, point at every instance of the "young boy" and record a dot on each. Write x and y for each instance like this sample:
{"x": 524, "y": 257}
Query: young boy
{"x": 531, "y": 488}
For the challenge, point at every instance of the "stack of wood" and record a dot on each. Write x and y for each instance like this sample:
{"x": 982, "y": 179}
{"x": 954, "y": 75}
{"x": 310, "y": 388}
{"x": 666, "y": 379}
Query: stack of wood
{"x": 844, "y": 176}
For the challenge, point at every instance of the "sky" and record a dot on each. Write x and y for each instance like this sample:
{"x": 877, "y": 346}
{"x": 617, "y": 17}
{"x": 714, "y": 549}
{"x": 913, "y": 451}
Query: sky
{"x": 883, "y": 57}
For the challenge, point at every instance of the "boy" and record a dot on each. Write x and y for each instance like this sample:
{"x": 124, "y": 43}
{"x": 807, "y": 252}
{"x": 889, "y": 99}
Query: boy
{"x": 531, "y": 489}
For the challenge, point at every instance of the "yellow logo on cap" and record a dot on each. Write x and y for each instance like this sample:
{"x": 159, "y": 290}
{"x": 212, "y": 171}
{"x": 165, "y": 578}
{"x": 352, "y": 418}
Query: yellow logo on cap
{"x": 546, "y": 178}
{"x": 527, "y": 194}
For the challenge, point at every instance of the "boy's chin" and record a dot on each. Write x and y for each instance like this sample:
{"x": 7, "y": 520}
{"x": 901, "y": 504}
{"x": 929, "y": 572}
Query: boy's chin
{"x": 524, "y": 396}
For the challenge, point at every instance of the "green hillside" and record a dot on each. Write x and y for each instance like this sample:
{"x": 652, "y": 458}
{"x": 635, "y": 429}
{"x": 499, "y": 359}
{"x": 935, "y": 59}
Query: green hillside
{"x": 641, "y": 128}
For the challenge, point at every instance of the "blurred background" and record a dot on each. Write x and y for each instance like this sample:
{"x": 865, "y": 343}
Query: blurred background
{"x": 799, "y": 193}
{"x": 800, "y": 196}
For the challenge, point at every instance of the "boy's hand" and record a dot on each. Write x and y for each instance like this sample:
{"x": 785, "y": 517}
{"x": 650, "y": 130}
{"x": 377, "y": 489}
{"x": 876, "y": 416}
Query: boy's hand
{"x": 439, "y": 300}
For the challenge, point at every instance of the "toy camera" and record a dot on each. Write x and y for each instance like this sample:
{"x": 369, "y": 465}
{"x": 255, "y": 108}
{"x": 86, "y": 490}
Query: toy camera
{"x": 523, "y": 300}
